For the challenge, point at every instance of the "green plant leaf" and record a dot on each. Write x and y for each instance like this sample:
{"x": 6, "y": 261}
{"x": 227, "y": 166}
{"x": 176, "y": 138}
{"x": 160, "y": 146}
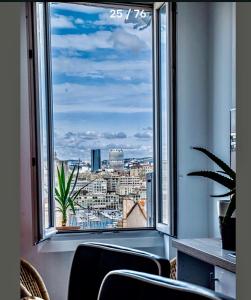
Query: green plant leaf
{"x": 71, "y": 204}
{"x": 60, "y": 209}
{"x": 224, "y": 195}
{"x": 58, "y": 194}
{"x": 59, "y": 200}
{"x": 61, "y": 189}
{"x": 76, "y": 179}
{"x": 75, "y": 194}
{"x": 222, "y": 172}
{"x": 227, "y": 182}
{"x": 218, "y": 161}
{"x": 62, "y": 176}
{"x": 79, "y": 205}
{"x": 69, "y": 183}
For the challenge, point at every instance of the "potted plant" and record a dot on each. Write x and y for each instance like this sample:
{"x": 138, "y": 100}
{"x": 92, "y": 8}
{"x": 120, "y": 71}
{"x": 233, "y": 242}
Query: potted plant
{"x": 226, "y": 177}
{"x": 66, "y": 196}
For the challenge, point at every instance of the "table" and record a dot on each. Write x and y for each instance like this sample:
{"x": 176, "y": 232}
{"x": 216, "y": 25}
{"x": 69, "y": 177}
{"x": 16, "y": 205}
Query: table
{"x": 202, "y": 261}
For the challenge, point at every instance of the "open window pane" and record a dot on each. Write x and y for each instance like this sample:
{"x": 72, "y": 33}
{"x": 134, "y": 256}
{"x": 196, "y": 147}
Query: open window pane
{"x": 42, "y": 115}
{"x": 103, "y": 111}
{"x": 164, "y": 115}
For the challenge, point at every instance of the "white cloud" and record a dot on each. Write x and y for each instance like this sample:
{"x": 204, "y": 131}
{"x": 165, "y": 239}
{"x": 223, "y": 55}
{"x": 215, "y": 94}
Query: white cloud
{"x": 143, "y": 135}
{"x": 81, "y": 148}
{"x": 114, "y": 135}
{"x": 74, "y": 145}
{"x": 78, "y": 67}
{"x": 83, "y": 42}
{"x": 59, "y": 21}
{"x": 125, "y": 40}
{"x": 148, "y": 128}
{"x": 127, "y": 98}
{"x": 144, "y": 35}
{"x": 79, "y": 21}
{"x": 119, "y": 39}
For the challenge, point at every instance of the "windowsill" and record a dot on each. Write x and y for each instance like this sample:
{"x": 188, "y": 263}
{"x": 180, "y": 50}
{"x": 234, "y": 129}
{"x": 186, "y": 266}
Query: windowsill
{"x": 68, "y": 242}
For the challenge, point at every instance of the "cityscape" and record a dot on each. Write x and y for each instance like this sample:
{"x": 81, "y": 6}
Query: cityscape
{"x": 116, "y": 193}
{"x": 103, "y": 112}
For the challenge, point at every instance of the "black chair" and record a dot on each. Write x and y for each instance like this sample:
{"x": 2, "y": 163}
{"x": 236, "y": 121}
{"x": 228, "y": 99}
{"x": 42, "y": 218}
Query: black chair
{"x": 92, "y": 261}
{"x": 127, "y": 284}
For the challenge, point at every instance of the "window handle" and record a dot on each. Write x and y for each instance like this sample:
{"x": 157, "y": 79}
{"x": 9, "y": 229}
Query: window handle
{"x": 212, "y": 280}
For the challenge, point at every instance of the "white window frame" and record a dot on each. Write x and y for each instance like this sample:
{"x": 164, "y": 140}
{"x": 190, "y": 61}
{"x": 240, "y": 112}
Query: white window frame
{"x": 171, "y": 228}
{"x": 41, "y": 233}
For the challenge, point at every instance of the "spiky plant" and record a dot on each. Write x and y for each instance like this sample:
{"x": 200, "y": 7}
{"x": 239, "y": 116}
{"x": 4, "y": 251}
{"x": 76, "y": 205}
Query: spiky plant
{"x": 226, "y": 177}
{"x": 65, "y": 192}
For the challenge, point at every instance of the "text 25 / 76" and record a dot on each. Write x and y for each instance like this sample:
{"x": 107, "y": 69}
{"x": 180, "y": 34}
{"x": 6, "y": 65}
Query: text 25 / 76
{"x": 120, "y": 13}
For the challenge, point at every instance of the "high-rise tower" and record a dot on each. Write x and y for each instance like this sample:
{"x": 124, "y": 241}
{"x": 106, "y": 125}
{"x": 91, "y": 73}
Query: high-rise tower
{"x": 116, "y": 159}
{"x": 95, "y": 160}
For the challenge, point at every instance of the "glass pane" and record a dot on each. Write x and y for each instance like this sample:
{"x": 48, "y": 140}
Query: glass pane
{"x": 164, "y": 116}
{"x": 103, "y": 111}
{"x": 43, "y": 130}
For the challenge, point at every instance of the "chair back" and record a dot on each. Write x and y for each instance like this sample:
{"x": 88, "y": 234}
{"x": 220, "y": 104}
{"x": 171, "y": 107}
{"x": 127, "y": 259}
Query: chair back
{"x": 92, "y": 261}
{"x": 127, "y": 284}
{"x": 31, "y": 283}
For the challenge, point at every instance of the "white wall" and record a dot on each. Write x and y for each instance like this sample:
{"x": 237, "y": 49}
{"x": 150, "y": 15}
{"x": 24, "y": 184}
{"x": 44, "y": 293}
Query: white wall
{"x": 205, "y": 37}
{"x": 205, "y": 96}
{"x": 192, "y": 105}
{"x": 221, "y": 92}
{"x": 9, "y": 150}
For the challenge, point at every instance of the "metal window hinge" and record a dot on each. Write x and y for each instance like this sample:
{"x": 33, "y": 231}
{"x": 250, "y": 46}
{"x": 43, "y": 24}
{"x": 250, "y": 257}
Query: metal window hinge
{"x": 30, "y": 53}
{"x": 33, "y": 161}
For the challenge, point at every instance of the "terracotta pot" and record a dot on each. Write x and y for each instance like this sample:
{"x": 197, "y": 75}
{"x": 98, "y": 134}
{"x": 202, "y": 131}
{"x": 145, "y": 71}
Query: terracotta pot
{"x": 67, "y": 228}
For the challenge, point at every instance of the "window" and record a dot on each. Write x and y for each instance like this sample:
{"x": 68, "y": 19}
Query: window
{"x": 96, "y": 111}
{"x": 165, "y": 118}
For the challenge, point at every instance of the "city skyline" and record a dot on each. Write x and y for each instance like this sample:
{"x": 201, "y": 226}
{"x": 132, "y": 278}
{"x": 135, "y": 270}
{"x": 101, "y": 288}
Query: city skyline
{"x": 102, "y": 83}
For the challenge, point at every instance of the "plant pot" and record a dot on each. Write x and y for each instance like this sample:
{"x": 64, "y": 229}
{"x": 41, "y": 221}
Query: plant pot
{"x": 222, "y": 208}
{"x": 227, "y": 229}
{"x": 67, "y": 228}
{"x": 228, "y": 233}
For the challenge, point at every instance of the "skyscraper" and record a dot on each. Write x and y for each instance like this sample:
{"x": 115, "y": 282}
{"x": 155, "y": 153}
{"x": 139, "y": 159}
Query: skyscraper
{"x": 116, "y": 159}
{"x": 95, "y": 160}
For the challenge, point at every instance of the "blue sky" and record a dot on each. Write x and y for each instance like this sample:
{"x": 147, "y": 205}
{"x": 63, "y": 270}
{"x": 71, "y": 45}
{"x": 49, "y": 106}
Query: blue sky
{"x": 102, "y": 82}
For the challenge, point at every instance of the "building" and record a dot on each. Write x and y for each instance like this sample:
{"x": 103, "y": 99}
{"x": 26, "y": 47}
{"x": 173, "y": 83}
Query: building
{"x": 112, "y": 182}
{"x": 135, "y": 171}
{"x": 141, "y": 170}
{"x": 91, "y": 201}
{"x": 97, "y": 186}
{"x": 112, "y": 201}
{"x": 94, "y": 186}
{"x": 127, "y": 185}
{"x": 95, "y": 160}
{"x": 134, "y": 214}
{"x": 147, "y": 168}
{"x": 116, "y": 159}
{"x": 99, "y": 201}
